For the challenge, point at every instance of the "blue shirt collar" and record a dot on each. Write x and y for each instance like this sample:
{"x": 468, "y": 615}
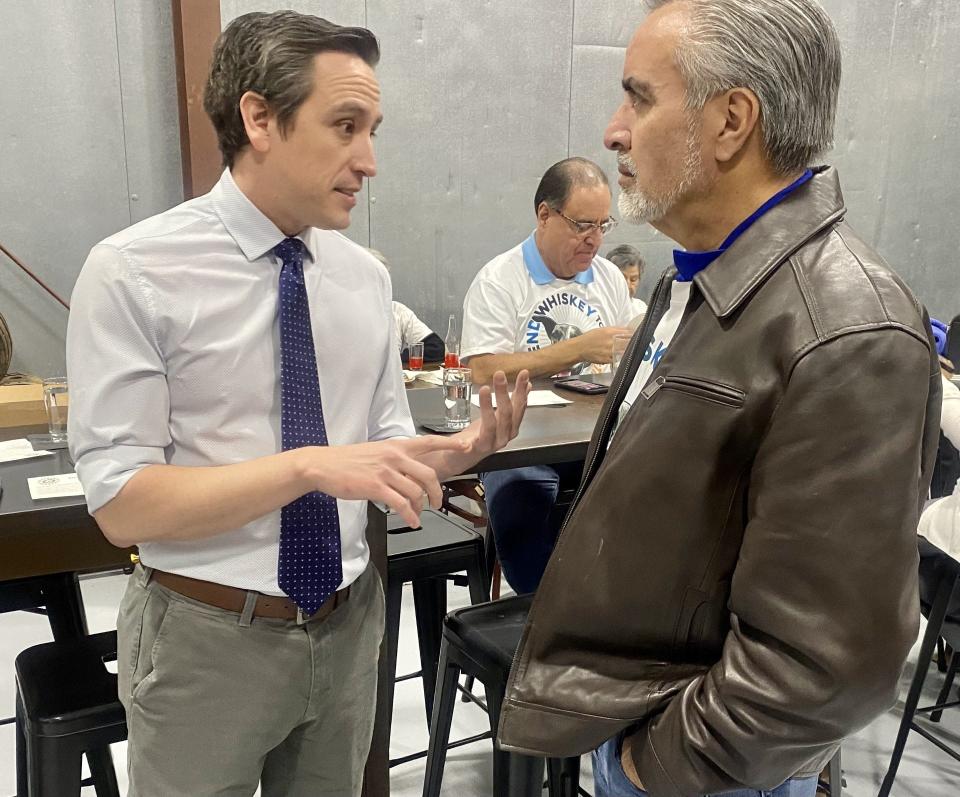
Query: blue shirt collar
{"x": 689, "y": 263}
{"x": 540, "y": 273}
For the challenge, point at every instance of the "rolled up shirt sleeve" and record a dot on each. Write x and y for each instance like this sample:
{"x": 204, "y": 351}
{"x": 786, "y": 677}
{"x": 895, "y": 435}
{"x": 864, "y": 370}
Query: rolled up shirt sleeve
{"x": 119, "y": 400}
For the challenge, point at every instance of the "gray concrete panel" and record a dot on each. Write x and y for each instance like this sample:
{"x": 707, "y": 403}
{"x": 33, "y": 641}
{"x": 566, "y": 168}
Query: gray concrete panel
{"x": 896, "y": 138}
{"x": 62, "y": 159}
{"x": 148, "y": 85}
{"x": 476, "y": 105}
{"x": 343, "y": 12}
{"x": 606, "y": 22}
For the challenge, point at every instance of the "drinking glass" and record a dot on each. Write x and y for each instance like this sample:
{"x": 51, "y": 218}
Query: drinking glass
{"x": 620, "y": 344}
{"x": 56, "y": 401}
{"x": 457, "y": 392}
{"x": 416, "y": 356}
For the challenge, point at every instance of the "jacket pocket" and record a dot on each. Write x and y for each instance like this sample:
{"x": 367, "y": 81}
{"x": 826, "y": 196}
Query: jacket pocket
{"x": 702, "y": 625}
{"x": 698, "y": 388}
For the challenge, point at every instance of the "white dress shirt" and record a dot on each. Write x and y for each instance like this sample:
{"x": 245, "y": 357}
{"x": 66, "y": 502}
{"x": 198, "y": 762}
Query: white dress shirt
{"x": 173, "y": 358}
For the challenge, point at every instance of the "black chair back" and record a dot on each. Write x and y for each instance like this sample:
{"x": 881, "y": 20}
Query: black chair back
{"x": 953, "y": 342}
{"x": 946, "y": 469}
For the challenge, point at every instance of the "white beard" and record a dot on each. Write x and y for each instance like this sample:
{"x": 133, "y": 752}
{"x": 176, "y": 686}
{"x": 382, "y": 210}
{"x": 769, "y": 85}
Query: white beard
{"x": 640, "y": 207}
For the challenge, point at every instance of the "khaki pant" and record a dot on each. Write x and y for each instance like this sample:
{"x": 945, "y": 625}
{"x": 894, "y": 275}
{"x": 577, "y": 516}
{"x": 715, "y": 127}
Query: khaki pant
{"x": 216, "y": 705}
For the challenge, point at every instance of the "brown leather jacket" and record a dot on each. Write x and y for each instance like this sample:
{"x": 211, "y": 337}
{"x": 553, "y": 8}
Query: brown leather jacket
{"x": 736, "y": 581}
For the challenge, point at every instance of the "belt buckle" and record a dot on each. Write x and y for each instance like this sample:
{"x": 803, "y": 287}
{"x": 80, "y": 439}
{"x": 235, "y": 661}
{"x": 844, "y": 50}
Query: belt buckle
{"x": 301, "y": 617}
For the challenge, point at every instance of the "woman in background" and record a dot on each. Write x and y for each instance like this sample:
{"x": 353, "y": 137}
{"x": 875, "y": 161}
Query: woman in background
{"x": 631, "y": 264}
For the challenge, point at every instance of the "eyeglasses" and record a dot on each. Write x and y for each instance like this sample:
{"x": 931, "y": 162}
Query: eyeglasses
{"x": 585, "y": 227}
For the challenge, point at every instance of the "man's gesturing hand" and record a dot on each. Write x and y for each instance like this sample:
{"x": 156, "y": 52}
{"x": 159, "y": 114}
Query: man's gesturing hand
{"x": 499, "y": 426}
{"x": 494, "y": 429}
{"x": 392, "y": 472}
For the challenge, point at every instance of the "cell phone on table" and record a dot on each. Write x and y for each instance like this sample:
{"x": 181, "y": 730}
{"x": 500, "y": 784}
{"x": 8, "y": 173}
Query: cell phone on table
{"x": 580, "y": 386}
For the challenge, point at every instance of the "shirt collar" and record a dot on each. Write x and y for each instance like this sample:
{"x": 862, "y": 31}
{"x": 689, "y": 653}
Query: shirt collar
{"x": 689, "y": 263}
{"x": 540, "y": 272}
{"x": 254, "y": 233}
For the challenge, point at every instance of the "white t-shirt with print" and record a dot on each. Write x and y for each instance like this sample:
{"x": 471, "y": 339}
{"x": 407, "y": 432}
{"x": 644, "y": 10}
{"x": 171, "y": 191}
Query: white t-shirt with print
{"x": 662, "y": 336}
{"x": 505, "y": 311}
{"x": 407, "y": 327}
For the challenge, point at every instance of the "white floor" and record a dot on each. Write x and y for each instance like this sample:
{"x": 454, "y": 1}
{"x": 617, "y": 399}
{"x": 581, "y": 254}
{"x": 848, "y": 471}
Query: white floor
{"x": 925, "y": 771}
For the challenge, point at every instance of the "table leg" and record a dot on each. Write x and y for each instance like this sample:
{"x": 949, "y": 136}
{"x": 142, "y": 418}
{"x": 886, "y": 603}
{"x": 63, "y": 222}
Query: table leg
{"x": 376, "y": 777}
{"x": 64, "y": 604}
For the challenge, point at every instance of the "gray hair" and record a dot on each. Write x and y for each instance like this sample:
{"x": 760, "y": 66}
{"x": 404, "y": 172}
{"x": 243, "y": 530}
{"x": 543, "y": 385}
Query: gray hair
{"x": 272, "y": 54}
{"x": 625, "y": 255}
{"x": 787, "y": 52}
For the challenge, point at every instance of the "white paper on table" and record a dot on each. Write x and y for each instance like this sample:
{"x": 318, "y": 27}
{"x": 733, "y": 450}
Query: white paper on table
{"x": 536, "y": 398}
{"x": 12, "y": 450}
{"x": 433, "y": 377}
{"x": 63, "y": 485}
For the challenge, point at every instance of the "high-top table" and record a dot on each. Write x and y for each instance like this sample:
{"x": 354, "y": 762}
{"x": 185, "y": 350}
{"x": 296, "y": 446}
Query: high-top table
{"x": 56, "y": 538}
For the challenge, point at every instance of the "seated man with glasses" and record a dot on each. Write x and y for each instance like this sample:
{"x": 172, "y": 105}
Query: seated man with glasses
{"x": 550, "y": 306}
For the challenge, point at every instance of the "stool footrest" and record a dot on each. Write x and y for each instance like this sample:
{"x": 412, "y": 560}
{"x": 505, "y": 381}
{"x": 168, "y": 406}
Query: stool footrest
{"x": 395, "y": 762}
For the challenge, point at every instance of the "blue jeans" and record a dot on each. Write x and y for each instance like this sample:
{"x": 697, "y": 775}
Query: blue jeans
{"x": 523, "y": 518}
{"x": 609, "y": 779}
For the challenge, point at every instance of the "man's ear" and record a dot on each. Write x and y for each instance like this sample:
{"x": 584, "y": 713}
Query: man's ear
{"x": 543, "y": 213}
{"x": 736, "y": 114}
{"x": 257, "y": 115}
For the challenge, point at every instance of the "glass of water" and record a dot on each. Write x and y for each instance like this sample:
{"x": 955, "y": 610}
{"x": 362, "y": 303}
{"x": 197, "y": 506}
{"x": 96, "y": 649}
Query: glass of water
{"x": 457, "y": 393}
{"x": 55, "y": 399}
{"x": 620, "y": 344}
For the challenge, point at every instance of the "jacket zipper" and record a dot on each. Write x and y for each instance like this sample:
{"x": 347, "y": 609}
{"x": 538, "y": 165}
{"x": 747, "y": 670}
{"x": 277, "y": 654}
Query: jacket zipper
{"x": 704, "y": 388}
{"x": 658, "y": 306}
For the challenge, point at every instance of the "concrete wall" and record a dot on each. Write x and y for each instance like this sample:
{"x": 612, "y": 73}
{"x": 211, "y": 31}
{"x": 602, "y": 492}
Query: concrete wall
{"x": 89, "y": 145}
{"x": 479, "y": 98}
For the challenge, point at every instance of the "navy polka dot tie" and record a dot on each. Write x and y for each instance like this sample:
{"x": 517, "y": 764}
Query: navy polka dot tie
{"x": 310, "y": 567}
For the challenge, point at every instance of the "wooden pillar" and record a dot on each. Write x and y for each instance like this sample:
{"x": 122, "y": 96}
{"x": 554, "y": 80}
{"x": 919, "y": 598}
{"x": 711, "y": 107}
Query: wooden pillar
{"x": 196, "y": 25}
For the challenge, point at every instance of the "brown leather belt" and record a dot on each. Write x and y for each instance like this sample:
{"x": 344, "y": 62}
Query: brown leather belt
{"x": 232, "y": 599}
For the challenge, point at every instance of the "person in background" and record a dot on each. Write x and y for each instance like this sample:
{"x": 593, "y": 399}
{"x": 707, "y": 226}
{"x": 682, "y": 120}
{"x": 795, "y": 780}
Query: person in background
{"x": 735, "y": 591}
{"x": 632, "y": 265}
{"x": 199, "y": 345}
{"x": 549, "y": 305}
{"x": 409, "y": 329}
{"x": 940, "y": 520}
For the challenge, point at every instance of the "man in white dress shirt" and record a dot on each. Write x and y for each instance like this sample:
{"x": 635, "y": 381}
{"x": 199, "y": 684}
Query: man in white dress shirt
{"x": 199, "y": 435}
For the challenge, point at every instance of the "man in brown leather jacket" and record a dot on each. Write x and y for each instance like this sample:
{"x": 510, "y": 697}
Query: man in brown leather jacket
{"x": 735, "y": 588}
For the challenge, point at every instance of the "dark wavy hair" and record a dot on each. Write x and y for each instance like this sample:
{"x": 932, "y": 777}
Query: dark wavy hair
{"x": 272, "y": 55}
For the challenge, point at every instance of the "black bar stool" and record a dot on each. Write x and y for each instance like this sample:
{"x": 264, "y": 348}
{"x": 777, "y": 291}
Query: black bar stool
{"x": 481, "y": 641}
{"x": 67, "y": 706}
{"x": 939, "y": 577}
{"x": 428, "y": 556}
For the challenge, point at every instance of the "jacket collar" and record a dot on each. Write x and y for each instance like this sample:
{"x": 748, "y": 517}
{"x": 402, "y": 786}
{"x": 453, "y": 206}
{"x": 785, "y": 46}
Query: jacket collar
{"x": 770, "y": 241}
